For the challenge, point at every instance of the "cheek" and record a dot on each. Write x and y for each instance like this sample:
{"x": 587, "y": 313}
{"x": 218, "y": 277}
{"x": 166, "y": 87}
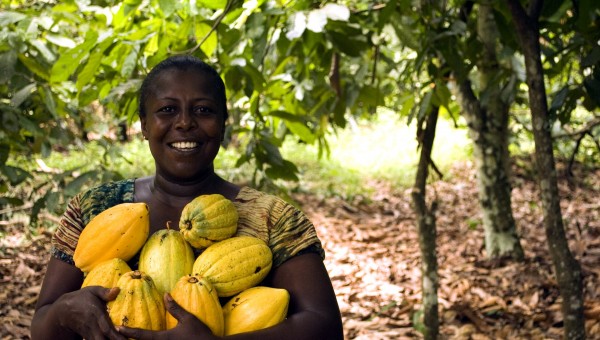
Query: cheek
{"x": 213, "y": 129}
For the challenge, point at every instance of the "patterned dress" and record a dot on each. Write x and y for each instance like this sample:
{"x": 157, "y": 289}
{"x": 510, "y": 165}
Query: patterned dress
{"x": 286, "y": 230}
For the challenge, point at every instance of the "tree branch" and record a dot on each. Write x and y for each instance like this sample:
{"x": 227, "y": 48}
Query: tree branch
{"x": 587, "y": 129}
{"x": 212, "y": 29}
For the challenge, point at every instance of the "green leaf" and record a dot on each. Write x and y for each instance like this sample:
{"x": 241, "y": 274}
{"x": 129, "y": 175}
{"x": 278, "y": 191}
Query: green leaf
{"x": 35, "y": 67}
{"x": 253, "y": 74}
{"x": 559, "y": 99}
{"x": 15, "y": 175}
{"x": 119, "y": 91}
{"x": 52, "y": 200}
{"x": 44, "y": 50}
{"x": 592, "y": 86}
{"x": 407, "y": 37}
{"x": 30, "y": 127}
{"x": 385, "y": 14}
{"x": 7, "y": 18}
{"x": 286, "y": 171}
{"x": 60, "y": 40}
{"x": 425, "y": 105}
{"x": 22, "y": 95}
{"x": 209, "y": 43}
{"x": 89, "y": 70}
{"x": 68, "y": 62}
{"x": 591, "y": 58}
{"x": 74, "y": 187}
{"x": 350, "y": 44}
{"x": 129, "y": 63}
{"x": 273, "y": 156}
{"x": 212, "y": 4}
{"x": 8, "y": 60}
{"x": 48, "y": 97}
{"x": 131, "y": 108}
{"x": 442, "y": 94}
{"x": 407, "y": 102}
{"x": 296, "y": 125}
{"x": 167, "y": 7}
{"x": 151, "y": 46}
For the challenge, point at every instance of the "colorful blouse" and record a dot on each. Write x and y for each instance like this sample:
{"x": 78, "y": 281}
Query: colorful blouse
{"x": 286, "y": 230}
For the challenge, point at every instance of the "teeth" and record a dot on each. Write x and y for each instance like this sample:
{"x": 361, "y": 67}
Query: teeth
{"x": 184, "y": 145}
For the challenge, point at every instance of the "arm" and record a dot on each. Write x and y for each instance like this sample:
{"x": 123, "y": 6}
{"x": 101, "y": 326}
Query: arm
{"x": 64, "y": 311}
{"x": 313, "y": 312}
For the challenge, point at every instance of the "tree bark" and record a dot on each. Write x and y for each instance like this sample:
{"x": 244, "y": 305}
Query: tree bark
{"x": 567, "y": 268}
{"x": 488, "y": 128}
{"x": 427, "y": 231}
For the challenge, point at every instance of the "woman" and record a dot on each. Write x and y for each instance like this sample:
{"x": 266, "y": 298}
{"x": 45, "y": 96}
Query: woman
{"x": 183, "y": 112}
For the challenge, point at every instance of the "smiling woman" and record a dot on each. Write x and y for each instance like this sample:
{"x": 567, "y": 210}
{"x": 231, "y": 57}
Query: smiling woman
{"x": 183, "y": 120}
{"x": 183, "y": 113}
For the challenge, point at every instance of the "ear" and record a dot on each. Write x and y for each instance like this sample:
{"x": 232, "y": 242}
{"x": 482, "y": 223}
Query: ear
{"x": 143, "y": 126}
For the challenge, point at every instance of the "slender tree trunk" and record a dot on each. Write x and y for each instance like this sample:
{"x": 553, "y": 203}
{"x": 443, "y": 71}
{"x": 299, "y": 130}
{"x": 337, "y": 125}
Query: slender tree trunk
{"x": 488, "y": 127}
{"x": 427, "y": 232}
{"x": 568, "y": 270}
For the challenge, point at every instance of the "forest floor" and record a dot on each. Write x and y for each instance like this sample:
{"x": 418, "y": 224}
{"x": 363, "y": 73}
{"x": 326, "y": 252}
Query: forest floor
{"x": 373, "y": 259}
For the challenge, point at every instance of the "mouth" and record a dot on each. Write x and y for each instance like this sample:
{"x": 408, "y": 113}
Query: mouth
{"x": 184, "y": 146}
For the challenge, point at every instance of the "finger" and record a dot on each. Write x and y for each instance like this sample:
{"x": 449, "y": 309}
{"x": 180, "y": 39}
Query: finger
{"x": 106, "y": 294}
{"x": 108, "y": 330}
{"x": 135, "y": 333}
{"x": 173, "y": 308}
{"x": 111, "y": 294}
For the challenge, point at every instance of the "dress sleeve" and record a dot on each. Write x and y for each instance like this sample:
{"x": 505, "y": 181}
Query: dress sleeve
{"x": 286, "y": 229}
{"x": 81, "y": 209}
{"x": 67, "y": 234}
{"x": 292, "y": 233}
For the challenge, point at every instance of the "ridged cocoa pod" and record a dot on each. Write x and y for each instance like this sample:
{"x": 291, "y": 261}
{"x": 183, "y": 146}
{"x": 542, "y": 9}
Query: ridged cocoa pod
{"x": 166, "y": 257}
{"x": 198, "y": 296}
{"x": 119, "y": 231}
{"x": 139, "y": 304}
{"x": 235, "y": 264}
{"x": 255, "y": 308}
{"x": 106, "y": 274}
{"x": 208, "y": 219}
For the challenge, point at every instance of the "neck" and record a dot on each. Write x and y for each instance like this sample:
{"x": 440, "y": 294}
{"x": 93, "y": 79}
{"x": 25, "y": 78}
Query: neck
{"x": 177, "y": 193}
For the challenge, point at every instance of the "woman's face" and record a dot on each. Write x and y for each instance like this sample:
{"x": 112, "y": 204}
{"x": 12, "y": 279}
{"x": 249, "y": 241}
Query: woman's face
{"x": 183, "y": 124}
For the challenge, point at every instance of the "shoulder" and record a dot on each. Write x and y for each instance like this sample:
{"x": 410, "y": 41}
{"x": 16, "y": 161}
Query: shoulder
{"x": 123, "y": 188}
{"x": 97, "y": 199}
{"x": 251, "y": 196}
{"x": 257, "y": 205}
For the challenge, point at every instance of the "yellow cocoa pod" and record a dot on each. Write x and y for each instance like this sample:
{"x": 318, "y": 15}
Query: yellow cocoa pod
{"x": 198, "y": 296}
{"x": 255, "y": 308}
{"x": 107, "y": 273}
{"x": 166, "y": 257}
{"x": 208, "y": 219}
{"x": 139, "y": 304}
{"x": 119, "y": 231}
{"x": 234, "y": 264}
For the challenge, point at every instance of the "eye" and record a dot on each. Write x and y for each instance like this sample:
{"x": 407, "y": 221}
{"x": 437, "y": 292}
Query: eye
{"x": 203, "y": 110}
{"x": 167, "y": 109}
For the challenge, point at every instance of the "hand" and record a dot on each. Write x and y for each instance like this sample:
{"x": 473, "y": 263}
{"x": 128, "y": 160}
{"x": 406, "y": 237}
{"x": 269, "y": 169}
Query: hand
{"x": 188, "y": 327}
{"x": 86, "y": 312}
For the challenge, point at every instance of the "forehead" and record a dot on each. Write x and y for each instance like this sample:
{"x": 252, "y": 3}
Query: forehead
{"x": 187, "y": 77}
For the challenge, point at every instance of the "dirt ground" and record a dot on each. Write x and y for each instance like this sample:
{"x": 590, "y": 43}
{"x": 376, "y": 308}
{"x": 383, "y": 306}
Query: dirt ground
{"x": 374, "y": 261}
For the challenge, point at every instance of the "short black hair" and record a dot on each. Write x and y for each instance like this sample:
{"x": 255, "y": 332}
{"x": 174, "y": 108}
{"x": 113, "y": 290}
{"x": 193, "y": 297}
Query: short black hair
{"x": 182, "y": 62}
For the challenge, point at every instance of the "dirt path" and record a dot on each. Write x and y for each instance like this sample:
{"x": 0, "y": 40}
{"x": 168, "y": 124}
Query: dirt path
{"x": 373, "y": 260}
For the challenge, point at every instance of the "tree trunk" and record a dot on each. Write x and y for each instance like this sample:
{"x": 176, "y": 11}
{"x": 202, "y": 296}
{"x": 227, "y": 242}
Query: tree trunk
{"x": 568, "y": 270}
{"x": 488, "y": 127}
{"x": 427, "y": 233}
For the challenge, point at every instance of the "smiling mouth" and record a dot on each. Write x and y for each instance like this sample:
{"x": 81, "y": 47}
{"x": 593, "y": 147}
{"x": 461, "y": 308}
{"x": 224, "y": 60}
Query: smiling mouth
{"x": 184, "y": 145}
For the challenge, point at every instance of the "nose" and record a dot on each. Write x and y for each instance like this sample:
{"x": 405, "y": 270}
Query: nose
{"x": 185, "y": 120}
